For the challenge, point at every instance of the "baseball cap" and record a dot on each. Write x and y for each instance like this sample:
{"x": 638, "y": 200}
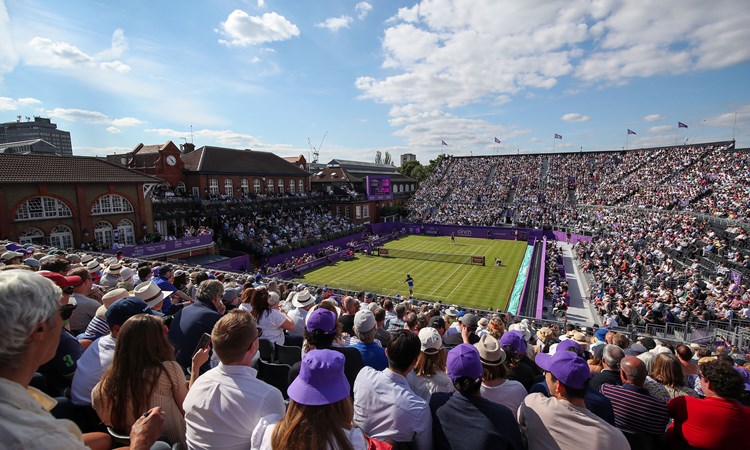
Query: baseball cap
{"x": 514, "y": 340}
{"x": 463, "y": 361}
{"x": 323, "y": 320}
{"x": 60, "y": 280}
{"x": 164, "y": 269}
{"x": 470, "y": 320}
{"x": 437, "y": 322}
{"x": 431, "y": 340}
{"x": 569, "y": 368}
{"x": 364, "y": 320}
{"x": 123, "y": 309}
{"x": 7, "y": 256}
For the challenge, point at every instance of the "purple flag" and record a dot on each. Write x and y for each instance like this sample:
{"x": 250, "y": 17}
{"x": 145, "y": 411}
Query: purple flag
{"x": 497, "y": 140}
{"x": 558, "y": 136}
{"x": 736, "y": 278}
{"x": 443, "y": 142}
{"x": 681, "y": 125}
{"x": 630, "y": 131}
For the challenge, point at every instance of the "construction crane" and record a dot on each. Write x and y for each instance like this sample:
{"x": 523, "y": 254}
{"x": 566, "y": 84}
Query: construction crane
{"x": 316, "y": 151}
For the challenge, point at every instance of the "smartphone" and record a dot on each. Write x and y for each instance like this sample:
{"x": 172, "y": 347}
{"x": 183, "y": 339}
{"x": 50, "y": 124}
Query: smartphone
{"x": 203, "y": 342}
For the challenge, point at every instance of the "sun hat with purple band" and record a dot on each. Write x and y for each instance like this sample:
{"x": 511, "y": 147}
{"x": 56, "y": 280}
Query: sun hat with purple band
{"x": 321, "y": 379}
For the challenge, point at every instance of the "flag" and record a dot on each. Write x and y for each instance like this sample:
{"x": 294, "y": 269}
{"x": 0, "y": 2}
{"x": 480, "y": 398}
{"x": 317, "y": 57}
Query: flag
{"x": 630, "y": 131}
{"x": 681, "y": 125}
{"x": 558, "y": 136}
{"x": 497, "y": 140}
{"x": 443, "y": 142}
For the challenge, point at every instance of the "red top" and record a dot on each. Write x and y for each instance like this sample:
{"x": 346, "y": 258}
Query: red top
{"x": 710, "y": 423}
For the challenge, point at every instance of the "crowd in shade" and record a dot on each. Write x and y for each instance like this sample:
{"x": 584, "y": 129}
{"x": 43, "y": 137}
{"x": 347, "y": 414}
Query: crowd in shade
{"x": 265, "y": 231}
{"x": 111, "y": 352}
{"x": 536, "y": 189}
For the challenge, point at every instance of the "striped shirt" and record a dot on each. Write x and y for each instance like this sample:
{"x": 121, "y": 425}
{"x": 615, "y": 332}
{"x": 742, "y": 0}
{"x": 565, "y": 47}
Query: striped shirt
{"x": 635, "y": 410}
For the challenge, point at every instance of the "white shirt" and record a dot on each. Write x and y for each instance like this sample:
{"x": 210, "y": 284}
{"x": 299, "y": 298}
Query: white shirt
{"x": 386, "y": 408}
{"x": 270, "y": 322}
{"x": 426, "y": 386}
{"x": 25, "y": 421}
{"x": 225, "y": 404}
{"x": 298, "y": 316}
{"x": 511, "y": 394}
{"x": 91, "y": 367}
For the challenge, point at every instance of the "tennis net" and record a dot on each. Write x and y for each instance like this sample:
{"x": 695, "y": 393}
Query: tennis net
{"x": 437, "y": 257}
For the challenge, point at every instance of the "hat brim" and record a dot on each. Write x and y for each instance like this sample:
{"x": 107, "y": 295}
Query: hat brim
{"x": 299, "y": 304}
{"x": 307, "y": 394}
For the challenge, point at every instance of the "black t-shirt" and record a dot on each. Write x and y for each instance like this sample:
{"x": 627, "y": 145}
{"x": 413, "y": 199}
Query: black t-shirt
{"x": 347, "y": 324}
{"x": 62, "y": 365}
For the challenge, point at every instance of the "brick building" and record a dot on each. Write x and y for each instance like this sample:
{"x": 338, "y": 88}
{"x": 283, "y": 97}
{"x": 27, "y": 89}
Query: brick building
{"x": 66, "y": 200}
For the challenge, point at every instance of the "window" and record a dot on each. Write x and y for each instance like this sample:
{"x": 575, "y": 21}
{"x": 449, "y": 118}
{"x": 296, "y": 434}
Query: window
{"x": 347, "y": 211}
{"x": 180, "y": 187}
{"x": 229, "y": 187}
{"x": 213, "y": 186}
{"x": 31, "y": 235}
{"x": 196, "y": 191}
{"x": 281, "y": 186}
{"x": 61, "y": 237}
{"x": 245, "y": 186}
{"x": 338, "y": 211}
{"x": 103, "y": 234}
{"x": 366, "y": 211}
{"x": 270, "y": 185}
{"x": 358, "y": 212}
{"x": 291, "y": 186}
{"x": 126, "y": 232}
{"x": 42, "y": 208}
{"x": 256, "y": 186}
{"x": 111, "y": 204}
{"x": 301, "y": 187}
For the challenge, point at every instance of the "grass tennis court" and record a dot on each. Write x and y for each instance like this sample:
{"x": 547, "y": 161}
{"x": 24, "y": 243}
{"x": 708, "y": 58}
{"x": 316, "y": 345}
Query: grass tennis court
{"x": 467, "y": 285}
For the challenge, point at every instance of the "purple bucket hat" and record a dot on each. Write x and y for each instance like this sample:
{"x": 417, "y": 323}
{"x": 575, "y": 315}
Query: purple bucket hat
{"x": 321, "y": 379}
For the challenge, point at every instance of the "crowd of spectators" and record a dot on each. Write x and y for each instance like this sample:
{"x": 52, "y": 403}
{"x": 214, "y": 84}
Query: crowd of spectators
{"x": 370, "y": 371}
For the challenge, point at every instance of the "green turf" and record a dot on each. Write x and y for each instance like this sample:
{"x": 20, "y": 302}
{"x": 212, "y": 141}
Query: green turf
{"x": 475, "y": 286}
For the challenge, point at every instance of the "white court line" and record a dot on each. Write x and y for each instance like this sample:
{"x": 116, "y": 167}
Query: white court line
{"x": 447, "y": 278}
{"x": 467, "y": 274}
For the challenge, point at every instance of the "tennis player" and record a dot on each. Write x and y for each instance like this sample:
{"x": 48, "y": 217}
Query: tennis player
{"x": 410, "y": 281}
{"x": 453, "y": 238}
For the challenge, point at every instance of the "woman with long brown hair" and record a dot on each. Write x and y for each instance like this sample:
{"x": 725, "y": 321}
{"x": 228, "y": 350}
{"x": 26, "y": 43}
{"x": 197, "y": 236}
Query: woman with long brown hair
{"x": 429, "y": 374}
{"x": 269, "y": 317}
{"x": 144, "y": 374}
{"x": 320, "y": 413}
{"x": 670, "y": 378}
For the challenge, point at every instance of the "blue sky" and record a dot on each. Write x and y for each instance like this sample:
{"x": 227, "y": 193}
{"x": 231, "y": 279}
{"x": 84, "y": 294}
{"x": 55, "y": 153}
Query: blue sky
{"x": 379, "y": 75}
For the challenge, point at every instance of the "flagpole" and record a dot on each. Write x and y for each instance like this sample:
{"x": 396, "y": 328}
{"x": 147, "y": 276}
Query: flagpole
{"x": 627, "y": 138}
{"x": 734, "y": 125}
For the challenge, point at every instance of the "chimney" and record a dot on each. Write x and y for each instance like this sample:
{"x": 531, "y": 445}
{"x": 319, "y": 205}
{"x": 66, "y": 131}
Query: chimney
{"x": 187, "y": 147}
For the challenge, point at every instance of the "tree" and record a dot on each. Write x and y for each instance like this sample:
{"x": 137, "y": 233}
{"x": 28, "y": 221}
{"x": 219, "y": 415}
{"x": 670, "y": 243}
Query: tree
{"x": 434, "y": 163}
{"x": 414, "y": 169}
{"x": 378, "y": 157}
{"x": 388, "y": 160}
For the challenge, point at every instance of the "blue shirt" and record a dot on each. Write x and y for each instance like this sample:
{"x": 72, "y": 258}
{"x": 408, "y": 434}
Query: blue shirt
{"x": 373, "y": 355}
{"x": 165, "y": 285}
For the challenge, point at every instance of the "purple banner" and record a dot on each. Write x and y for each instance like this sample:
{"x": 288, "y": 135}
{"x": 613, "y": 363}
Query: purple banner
{"x": 236, "y": 264}
{"x": 160, "y": 248}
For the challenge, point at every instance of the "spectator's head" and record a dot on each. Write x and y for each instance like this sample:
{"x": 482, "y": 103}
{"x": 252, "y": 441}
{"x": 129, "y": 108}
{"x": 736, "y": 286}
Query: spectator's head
{"x": 321, "y": 328}
{"x": 365, "y": 325}
{"x": 400, "y": 310}
{"x": 59, "y": 265}
{"x": 621, "y": 341}
{"x": 411, "y": 320}
{"x": 320, "y": 409}
{"x": 668, "y": 370}
{"x": 567, "y": 374}
{"x": 165, "y": 271}
{"x": 612, "y": 356}
{"x": 144, "y": 273}
{"x": 209, "y": 291}
{"x": 493, "y": 357}
{"x": 421, "y": 322}
{"x": 465, "y": 369}
{"x": 470, "y": 322}
{"x": 438, "y": 323}
{"x": 633, "y": 371}
{"x": 403, "y": 350}
{"x": 122, "y": 310}
{"x": 496, "y": 327}
{"x": 379, "y": 316}
{"x": 684, "y": 352}
{"x": 432, "y": 354}
{"x": 235, "y": 338}
{"x": 719, "y": 379}
{"x": 351, "y": 305}
{"x": 30, "y": 321}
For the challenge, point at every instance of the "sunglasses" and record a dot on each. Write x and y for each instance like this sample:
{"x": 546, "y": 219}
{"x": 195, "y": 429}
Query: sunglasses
{"x": 66, "y": 311}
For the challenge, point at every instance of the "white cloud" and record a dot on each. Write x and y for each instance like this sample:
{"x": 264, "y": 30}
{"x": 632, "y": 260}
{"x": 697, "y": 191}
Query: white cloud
{"x": 652, "y": 118}
{"x": 230, "y": 139}
{"x": 661, "y": 129}
{"x": 8, "y": 54}
{"x": 536, "y": 139}
{"x": 95, "y": 117}
{"x": 45, "y": 52}
{"x": 10, "y": 104}
{"x": 241, "y": 29}
{"x": 113, "y": 130}
{"x": 261, "y": 3}
{"x": 363, "y": 9}
{"x": 575, "y": 117}
{"x": 739, "y": 119}
{"x": 100, "y": 151}
{"x": 335, "y": 23}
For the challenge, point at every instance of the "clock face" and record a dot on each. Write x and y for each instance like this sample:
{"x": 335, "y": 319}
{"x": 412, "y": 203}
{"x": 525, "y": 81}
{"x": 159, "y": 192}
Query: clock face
{"x": 171, "y": 160}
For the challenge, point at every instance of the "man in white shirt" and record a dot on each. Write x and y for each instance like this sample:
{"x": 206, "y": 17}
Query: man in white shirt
{"x": 225, "y": 404}
{"x": 385, "y": 407}
{"x": 302, "y": 302}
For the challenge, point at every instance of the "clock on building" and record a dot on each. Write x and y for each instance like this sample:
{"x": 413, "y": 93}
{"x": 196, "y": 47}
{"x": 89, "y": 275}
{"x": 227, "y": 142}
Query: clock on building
{"x": 171, "y": 160}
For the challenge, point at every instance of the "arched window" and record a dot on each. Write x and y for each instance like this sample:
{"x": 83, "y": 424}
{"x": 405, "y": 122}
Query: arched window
{"x": 180, "y": 187}
{"x": 103, "y": 234}
{"x": 126, "y": 232}
{"x": 61, "y": 237}
{"x": 281, "y": 186}
{"x": 245, "y": 186}
{"x": 301, "y": 187}
{"x": 42, "y": 208}
{"x": 270, "y": 185}
{"x": 111, "y": 204}
{"x": 229, "y": 187}
{"x": 31, "y": 235}
{"x": 256, "y": 186}
{"x": 213, "y": 186}
{"x": 291, "y": 186}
